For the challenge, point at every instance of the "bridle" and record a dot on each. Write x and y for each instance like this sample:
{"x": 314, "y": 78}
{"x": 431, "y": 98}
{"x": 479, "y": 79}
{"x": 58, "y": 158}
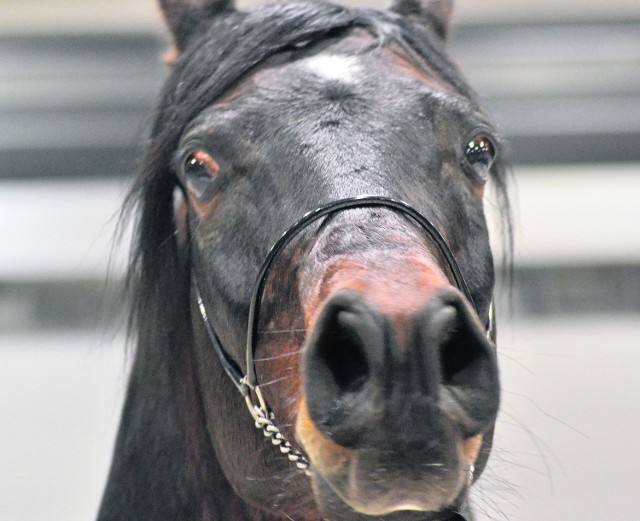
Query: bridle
{"x": 247, "y": 383}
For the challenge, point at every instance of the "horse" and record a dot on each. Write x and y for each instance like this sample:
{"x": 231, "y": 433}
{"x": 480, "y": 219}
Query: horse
{"x": 311, "y": 279}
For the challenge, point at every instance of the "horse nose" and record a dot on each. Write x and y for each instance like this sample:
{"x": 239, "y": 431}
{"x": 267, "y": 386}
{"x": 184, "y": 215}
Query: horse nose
{"x": 366, "y": 388}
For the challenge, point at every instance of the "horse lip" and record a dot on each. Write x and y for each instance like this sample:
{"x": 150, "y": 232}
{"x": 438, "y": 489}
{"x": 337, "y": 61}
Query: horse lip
{"x": 357, "y": 486}
{"x": 352, "y": 485}
{"x": 405, "y": 495}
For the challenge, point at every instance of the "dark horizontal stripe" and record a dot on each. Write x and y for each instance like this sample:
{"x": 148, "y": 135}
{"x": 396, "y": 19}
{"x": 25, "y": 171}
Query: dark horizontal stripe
{"x": 572, "y": 290}
{"x": 568, "y": 149}
{"x": 60, "y": 305}
{"x": 119, "y": 162}
{"x": 68, "y": 163}
{"x": 536, "y": 292}
{"x": 96, "y": 134}
{"x": 489, "y": 42}
{"x": 79, "y": 44}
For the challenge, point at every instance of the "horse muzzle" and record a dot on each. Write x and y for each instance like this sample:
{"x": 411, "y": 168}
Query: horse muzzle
{"x": 399, "y": 385}
{"x": 399, "y": 380}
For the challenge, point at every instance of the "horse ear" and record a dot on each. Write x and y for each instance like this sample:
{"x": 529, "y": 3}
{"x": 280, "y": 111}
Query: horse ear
{"x": 434, "y": 13}
{"x": 185, "y": 16}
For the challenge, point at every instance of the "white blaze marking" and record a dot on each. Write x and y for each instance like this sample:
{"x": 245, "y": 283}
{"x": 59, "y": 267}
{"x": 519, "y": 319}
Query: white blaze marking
{"x": 334, "y": 67}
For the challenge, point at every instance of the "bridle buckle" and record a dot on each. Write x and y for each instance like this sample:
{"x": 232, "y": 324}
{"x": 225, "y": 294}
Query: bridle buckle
{"x": 255, "y": 401}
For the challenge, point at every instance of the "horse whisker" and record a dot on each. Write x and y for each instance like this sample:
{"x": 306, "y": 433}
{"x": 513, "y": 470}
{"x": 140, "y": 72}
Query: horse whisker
{"x": 281, "y": 331}
{"x": 263, "y": 385}
{"x": 287, "y": 515}
{"x": 282, "y": 355}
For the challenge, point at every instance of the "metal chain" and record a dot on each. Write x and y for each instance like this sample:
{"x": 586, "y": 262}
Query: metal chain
{"x": 264, "y": 421}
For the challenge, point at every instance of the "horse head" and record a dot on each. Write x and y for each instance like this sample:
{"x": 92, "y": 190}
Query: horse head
{"x": 311, "y": 243}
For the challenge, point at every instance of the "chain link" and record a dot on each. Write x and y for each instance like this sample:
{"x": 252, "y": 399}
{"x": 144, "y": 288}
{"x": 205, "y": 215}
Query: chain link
{"x": 264, "y": 421}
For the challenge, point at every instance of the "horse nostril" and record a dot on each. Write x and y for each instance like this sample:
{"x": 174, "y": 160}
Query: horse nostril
{"x": 342, "y": 351}
{"x": 450, "y": 340}
{"x": 355, "y": 373}
{"x": 460, "y": 353}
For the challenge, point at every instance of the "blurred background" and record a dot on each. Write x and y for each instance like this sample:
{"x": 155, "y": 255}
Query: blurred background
{"x": 78, "y": 82}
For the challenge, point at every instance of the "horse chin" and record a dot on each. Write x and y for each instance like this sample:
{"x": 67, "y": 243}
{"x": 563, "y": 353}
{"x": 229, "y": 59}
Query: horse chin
{"x": 396, "y": 485}
{"x": 419, "y": 501}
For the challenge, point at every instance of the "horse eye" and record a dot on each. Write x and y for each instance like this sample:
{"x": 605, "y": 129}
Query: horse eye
{"x": 200, "y": 171}
{"x": 479, "y": 155}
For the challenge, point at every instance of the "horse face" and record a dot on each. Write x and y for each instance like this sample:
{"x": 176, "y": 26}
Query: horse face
{"x": 368, "y": 355}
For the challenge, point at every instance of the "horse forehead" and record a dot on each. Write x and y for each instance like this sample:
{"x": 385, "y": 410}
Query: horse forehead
{"x": 330, "y": 98}
{"x": 335, "y": 67}
{"x": 354, "y": 62}
{"x": 340, "y": 64}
